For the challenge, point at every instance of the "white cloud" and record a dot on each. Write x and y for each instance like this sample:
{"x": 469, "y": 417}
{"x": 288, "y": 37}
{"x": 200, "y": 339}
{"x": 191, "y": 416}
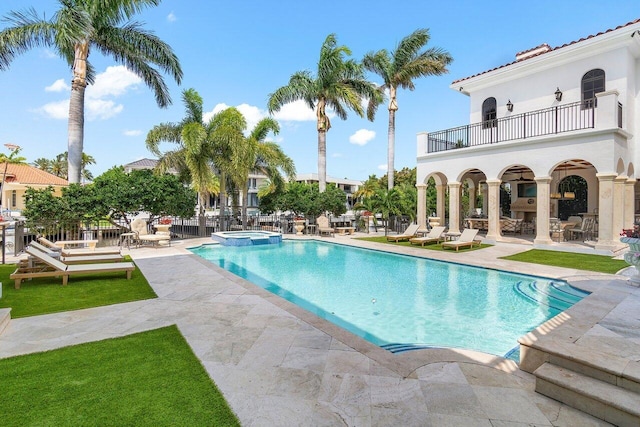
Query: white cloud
{"x": 101, "y": 109}
{"x": 382, "y": 167}
{"x": 251, "y": 113}
{"x": 171, "y": 17}
{"x": 49, "y": 54}
{"x": 115, "y": 81}
{"x": 336, "y": 155}
{"x": 296, "y": 111}
{"x": 56, "y": 110}
{"x": 362, "y": 136}
{"x": 132, "y": 132}
{"x": 58, "y": 86}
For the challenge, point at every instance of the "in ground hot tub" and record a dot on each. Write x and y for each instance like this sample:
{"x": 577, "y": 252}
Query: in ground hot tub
{"x": 246, "y": 238}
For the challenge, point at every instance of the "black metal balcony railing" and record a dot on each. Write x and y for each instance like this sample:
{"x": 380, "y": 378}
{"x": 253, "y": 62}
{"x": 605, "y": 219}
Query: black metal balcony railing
{"x": 548, "y": 121}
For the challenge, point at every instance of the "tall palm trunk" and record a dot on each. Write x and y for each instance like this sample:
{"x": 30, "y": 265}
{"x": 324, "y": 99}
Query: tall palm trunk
{"x": 223, "y": 201}
{"x": 322, "y": 160}
{"x": 391, "y": 149}
{"x": 76, "y": 113}
{"x": 245, "y": 202}
{"x": 202, "y": 220}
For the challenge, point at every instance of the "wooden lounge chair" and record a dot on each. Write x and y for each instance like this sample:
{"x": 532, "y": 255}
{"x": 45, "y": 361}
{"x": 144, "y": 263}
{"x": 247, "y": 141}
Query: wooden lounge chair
{"x": 408, "y": 234}
{"x": 323, "y": 226}
{"x": 78, "y": 251}
{"x": 51, "y": 267}
{"x": 467, "y": 238}
{"x": 84, "y": 259}
{"x": 434, "y": 236}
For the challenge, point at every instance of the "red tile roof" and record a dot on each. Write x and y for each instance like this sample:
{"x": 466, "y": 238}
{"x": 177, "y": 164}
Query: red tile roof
{"x": 549, "y": 50}
{"x": 29, "y": 175}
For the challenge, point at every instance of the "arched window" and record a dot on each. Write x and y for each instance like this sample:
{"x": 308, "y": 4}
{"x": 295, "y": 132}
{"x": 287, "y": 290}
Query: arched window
{"x": 592, "y": 83}
{"x": 489, "y": 113}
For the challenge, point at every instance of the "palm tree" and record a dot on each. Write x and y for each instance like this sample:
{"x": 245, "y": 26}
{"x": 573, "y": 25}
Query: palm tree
{"x": 398, "y": 69}
{"x": 339, "y": 84}
{"x": 79, "y": 26}
{"x": 11, "y": 158}
{"x": 42, "y": 164}
{"x": 58, "y": 166}
{"x": 193, "y": 156}
{"x": 265, "y": 157}
{"x": 387, "y": 202}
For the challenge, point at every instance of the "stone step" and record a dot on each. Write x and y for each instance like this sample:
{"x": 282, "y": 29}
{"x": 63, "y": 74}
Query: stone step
{"x": 601, "y": 399}
{"x": 5, "y": 317}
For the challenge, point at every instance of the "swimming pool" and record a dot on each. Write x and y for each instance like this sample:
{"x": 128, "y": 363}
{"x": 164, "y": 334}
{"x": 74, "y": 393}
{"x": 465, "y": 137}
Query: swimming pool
{"x": 401, "y": 302}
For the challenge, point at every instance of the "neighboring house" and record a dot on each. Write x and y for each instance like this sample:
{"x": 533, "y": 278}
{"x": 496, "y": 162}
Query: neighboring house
{"x": 554, "y": 113}
{"x": 19, "y": 177}
{"x": 140, "y": 164}
{"x": 349, "y": 186}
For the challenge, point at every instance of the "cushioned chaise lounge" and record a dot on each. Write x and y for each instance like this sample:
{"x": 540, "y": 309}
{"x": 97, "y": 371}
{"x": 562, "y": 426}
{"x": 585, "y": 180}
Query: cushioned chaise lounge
{"x": 467, "y": 238}
{"x": 76, "y": 252}
{"x": 84, "y": 259}
{"x": 51, "y": 267}
{"x": 434, "y": 236}
{"x": 409, "y": 233}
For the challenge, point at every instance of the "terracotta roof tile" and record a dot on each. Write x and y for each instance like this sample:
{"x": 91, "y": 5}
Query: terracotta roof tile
{"x": 549, "y": 50}
{"x": 27, "y": 174}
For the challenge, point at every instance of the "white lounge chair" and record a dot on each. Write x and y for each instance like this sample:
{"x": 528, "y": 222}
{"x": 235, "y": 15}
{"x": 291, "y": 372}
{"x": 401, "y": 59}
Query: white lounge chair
{"x": 467, "y": 238}
{"x": 51, "y": 267}
{"x": 139, "y": 226}
{"x": 434, "y": 236}
{"x": 323, "y": 226}
{"x": 76, "y": 252}
{"x": 84, "y": 259}
{"x": 409, "y": 233}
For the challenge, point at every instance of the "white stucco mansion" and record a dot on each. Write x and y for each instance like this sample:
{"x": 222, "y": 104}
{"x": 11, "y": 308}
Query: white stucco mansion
{"x": 553, "y": 113}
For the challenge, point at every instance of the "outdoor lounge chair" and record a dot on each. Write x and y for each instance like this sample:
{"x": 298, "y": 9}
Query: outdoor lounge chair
{"x": 84, "y": 259}
{"x": 467, "y": 238}
{"x": 51, "y": 267}
{"x": 139, "y": 226}
{"x": 409, "y": 233}
{"x": 434, "y": 236}
{"x": 323, "y": 226}
{"x": 76, "y": 252}
{"x": 585, "y": 231}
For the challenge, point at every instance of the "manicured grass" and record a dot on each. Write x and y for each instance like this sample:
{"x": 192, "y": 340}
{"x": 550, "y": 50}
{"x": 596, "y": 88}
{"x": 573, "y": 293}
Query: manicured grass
{"x": 432, "y": 246}
{"x": 47, "y": 295}
{"x": 599, "y": 263}
{"x": 150, "y": 378}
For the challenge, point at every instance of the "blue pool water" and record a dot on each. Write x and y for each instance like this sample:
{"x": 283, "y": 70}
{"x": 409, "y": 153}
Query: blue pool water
{"x": 401, "y": 302}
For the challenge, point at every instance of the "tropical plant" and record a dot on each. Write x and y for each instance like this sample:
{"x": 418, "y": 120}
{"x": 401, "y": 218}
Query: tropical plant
{"x": 339, "y": 85}
{"x": 368, "y": 188}
{"x": 58, "y": 166}
{"x": 398, "y": 69}
{"x": 387, "y": 202}
{"x": 83, "y": 25}
{"x": 193, "y": 157}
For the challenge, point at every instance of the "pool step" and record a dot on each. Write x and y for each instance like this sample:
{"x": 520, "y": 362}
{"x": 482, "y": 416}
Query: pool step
{"x": 610, "y": 402}
{"x": 5, "y": 317}
{"x": 551, "y": 294}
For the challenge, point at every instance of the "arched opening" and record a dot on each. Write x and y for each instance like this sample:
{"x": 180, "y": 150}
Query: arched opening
{"x": 489, "y": 113}
{"x": 592, "y": 83}
{"x": 574, "y": 193}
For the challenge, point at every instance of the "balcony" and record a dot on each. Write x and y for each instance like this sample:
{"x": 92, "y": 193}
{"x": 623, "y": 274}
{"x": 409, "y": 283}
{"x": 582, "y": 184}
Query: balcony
{"x": 559, "y": 119}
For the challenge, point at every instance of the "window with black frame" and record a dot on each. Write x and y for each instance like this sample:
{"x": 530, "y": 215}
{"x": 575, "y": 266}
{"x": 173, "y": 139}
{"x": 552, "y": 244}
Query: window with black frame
{"x": 592, "y": 83}
{"x": 489, "y": 114}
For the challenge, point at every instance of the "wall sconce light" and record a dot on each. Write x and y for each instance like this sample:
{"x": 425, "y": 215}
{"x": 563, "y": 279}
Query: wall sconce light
{"x": 558, "y": 94}
{"x": 509, "y": 106}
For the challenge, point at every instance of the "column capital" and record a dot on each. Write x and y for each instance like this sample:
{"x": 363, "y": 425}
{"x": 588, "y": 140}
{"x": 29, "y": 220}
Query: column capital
{"x": 631, "y": 181}
{"x": 421, "y": 186}
{"x": 454, "y": 184}
{"x": 494, "y": 182}
{"x": 542, "y": 179}
{"x": 606, "y": 176}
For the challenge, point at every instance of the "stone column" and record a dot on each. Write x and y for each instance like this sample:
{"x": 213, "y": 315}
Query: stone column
{"x": 422, "y": 206}
{"x": 454, "y": 206}
{"x": 629, "y": 203}
{"x": 472, "y": 199}
{"x": 607, "y": 236}
{"x": 493, "y": 203}
{"x": 543, "y": 187}
{"x": 618, "y": 204}
{"x": 440, "y": 189}
{"x": 484, "y": 189}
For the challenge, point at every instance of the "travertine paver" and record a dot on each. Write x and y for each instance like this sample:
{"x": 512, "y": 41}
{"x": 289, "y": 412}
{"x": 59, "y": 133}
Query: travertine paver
{"x": 276, "y": 369}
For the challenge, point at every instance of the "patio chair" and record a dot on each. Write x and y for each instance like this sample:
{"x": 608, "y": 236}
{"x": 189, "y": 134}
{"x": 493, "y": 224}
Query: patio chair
{"x": 323, "y": 226}
{"x": 139, "y": 226}
{"x": 408, "y": 234}
{"x": 511, "y": 225}
{"x": 77, "y": 259}
{"x": 585, "y": 230}
{"x": 76, "y": 252}
{"x": 434, "y": 236}
{"x": 51, "y": 267}
{"x": 467, "y": 238}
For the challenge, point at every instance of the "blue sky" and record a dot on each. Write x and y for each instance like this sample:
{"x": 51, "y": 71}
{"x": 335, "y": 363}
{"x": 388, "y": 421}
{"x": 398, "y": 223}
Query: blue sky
{"x": 235, "y": 53}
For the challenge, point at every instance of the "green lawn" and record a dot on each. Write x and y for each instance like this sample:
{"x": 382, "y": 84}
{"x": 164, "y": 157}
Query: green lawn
{"x": 150, "y": 378}
{"x": 433, "y": 246}
{"x": 47, "y": 295}
{"x": 599, "y": 263}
